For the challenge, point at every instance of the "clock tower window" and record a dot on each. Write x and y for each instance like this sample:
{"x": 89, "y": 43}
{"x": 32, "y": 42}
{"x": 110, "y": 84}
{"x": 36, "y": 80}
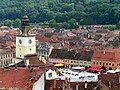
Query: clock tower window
{"x": 30, "y": 41}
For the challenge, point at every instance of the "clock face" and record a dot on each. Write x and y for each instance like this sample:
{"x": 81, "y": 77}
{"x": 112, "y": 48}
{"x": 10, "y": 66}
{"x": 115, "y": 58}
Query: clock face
{"x": 30, "y": 41}
{"x": 20, "y": 41}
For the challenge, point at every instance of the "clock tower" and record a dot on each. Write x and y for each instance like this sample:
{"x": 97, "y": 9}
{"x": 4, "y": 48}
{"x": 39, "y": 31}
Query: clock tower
{"x": 25, "y": 41}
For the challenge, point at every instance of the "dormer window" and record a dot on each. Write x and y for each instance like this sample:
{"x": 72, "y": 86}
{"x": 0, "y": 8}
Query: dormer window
{"x": 50, "y": 75}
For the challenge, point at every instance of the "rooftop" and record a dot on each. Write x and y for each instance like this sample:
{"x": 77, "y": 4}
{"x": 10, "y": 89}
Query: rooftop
{"x": 107, "y": 55}
{"x": 44, "y": 39}
{"x": 78, "y": 76}
{"x": 22, "y": 78}
{"x": 64, "y": 54}
{"x": 111, "y": 80}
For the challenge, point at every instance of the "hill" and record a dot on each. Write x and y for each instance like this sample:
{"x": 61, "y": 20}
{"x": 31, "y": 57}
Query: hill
{"x": 62, "y": 11}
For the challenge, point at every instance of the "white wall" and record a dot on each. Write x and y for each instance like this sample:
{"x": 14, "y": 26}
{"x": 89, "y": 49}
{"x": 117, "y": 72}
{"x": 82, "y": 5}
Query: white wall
{"x": 40, "y": 84}
{"x": 25, "y": 41}
{"x": 54, "y": 75}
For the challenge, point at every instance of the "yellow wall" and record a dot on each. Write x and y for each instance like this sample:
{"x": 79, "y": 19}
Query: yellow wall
{"x": 24, "y": 50}
{"x": 107, "y": 64}
{"x": 25, "y": 47}
{"x": 68, "y": 62}
{"x": 6, "y": 58}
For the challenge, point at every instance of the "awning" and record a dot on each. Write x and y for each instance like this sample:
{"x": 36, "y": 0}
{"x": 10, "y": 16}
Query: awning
{"x": 79, "y": 68}
{"x": 59, "y": 65}
{"x": 94, "y": 69}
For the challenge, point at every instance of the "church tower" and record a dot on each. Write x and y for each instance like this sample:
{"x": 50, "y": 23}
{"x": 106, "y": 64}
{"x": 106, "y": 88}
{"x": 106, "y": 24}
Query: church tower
{"x": 25, "y": 41}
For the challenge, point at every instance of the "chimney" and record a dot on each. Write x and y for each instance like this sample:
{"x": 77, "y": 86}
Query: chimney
{"x": 85, "y": 84}
{"x": 104, "y": 52}
{"x": 27, "y": 62}
{"x": 43, "y": 60}
{"x": 40, "y": 58}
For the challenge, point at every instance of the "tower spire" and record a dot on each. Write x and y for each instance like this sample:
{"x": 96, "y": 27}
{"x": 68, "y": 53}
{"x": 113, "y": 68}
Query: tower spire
{"x": 25, "y": 26}
{"x": 25, "y": 21}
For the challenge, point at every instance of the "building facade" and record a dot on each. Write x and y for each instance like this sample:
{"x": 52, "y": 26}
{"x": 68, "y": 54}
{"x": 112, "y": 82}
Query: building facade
{"x": 107, "y": 58}
{"x": 69, "y": 63}
{"x": 6, "y": 56}
{"x": 25, "y": 41}
{"x": 109, "y": 81}
{"x": 70, "y": 59}
{"x": 44, "y": 50}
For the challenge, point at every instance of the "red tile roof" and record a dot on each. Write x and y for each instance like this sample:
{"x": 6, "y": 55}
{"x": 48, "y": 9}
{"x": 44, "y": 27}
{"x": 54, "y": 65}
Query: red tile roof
{"x": 34, "y": 61}
{"x": 10, "y": 44}
{"x": 41, "y": 38}
{"x": 2, "y": 33}
{"x": 111, "y": 55}
{"x": 110, "y": 80}
{"x": 22, "y": 78}
{"x": 13, "y": 32}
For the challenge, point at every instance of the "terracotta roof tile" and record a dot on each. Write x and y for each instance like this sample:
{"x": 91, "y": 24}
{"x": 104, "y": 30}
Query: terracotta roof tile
{"x": 10, "y": 44}
{"x": 41, "y": 38}
{"x": 13, "y": 32}
{"x": 34, "y": 60}
{"x": 64, "y": 54}
{"x": 18, "y": 77}
{"x": 107, "y": 55}
{"x": 110, "y": 78}
{"x": 44, "y": 39}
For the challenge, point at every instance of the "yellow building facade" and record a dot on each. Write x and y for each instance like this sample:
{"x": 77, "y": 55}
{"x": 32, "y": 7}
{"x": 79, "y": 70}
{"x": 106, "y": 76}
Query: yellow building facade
{"x": 6, "y": 57}
{"x": 25, "y": 41}
{"x": 25, "y": 45}
{"x": 69, "y": 63}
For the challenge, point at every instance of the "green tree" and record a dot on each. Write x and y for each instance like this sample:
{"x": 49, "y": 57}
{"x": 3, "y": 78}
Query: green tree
{"x": 16, "y": 23}
{"x": 72, "y": 23}
{"x": 65, "y": 25}
{"x": 53, "y": 24}
{"x": 118, "y": 25}
{"x": 8, "y": 23}
{"x": 87, "y": 21}
{"x": 83, "y": 11}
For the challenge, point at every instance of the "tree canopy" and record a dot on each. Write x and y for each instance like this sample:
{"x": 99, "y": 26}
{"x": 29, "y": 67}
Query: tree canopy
{"x": 63, "y": 13}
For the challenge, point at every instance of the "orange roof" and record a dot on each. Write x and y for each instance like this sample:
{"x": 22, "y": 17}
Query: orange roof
{"x": 41, "y": 38}
{"x": 111, "y": 55}
{"x": 22, "y": 78}
{"x": 10, "y": 44}
{"x": 13, "y": 32}
{"x": 2, "y": 33}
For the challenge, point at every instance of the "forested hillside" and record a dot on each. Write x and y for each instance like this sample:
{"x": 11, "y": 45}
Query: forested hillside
{"x": 62, "y": 13}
